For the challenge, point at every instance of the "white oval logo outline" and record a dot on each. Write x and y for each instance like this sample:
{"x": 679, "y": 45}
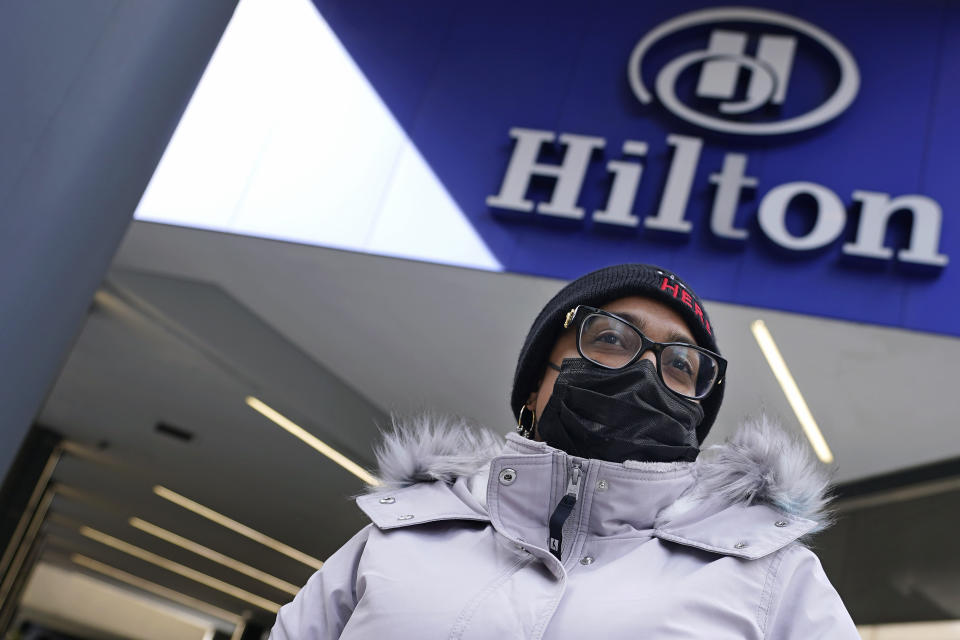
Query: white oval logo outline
{"x": 836, "y": 104}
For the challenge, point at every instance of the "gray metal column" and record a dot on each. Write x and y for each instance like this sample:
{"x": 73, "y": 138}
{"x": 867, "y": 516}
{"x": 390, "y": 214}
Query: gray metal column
{"x": 90, "y": 93}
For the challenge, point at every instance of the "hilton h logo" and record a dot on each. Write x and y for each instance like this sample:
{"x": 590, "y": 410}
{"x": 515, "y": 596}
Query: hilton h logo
{"x": 769, "y": 71}
{"x": 724, "y": 58}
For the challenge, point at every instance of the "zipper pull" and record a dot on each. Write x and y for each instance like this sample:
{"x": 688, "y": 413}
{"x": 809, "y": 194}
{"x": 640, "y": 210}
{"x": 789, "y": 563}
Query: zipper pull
{"x": 563, "y": 510}
{"x": 574, "y": 480}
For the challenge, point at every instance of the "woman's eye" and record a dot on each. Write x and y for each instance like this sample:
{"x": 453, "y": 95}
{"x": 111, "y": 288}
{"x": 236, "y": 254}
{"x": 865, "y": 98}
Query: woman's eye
{"x": 609, "y": 337}
{"x": 682, "y": 365}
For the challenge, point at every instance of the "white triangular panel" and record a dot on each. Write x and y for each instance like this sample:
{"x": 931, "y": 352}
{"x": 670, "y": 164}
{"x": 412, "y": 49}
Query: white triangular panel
{"x": 285, "y": 138}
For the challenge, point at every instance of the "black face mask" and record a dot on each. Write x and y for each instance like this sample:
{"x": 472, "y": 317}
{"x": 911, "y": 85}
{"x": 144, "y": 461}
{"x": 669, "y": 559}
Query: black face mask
{"x": 619, "y": 414}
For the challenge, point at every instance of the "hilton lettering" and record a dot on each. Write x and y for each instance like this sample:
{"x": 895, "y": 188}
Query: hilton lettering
{"x": 831, "y": 217}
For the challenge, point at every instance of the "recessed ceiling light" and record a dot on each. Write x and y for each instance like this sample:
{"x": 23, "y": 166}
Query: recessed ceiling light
{"x": 790, "y": 389}
{"x": 294, "y": 429}
{"x": 154, "y": 588}
{"x": 176, "y": 567}
{"x": 215, "y": 556}
{"x": 235, "y": 526}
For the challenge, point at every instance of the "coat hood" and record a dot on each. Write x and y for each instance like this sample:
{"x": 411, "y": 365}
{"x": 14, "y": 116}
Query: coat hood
{"x": 759, "y": 464}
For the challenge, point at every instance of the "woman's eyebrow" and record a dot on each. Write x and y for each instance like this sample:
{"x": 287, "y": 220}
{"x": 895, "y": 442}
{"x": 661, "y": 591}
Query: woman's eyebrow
{"x": 637, "y": 321}
{"x": 679, "y": 336}
{"x": 640, "y": 323}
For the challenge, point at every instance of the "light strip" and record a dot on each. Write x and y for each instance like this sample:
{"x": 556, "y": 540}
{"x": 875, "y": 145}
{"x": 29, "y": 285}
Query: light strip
{"x": 180, "y": 569}
{"x": 912, "y": 492}
{"x": 35, "y": 497}
{"x": 235, "y": 526}
{"x": 938, "y": 629}
{"x": 294, "y": 429}
{"x": 154, "y": 588}
{"x": 215, "y": 556}
{"x": 791, "y": 390}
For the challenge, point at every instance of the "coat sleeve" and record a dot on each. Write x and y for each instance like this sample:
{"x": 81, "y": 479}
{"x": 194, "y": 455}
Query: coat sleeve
{"x": 803, "y": 605}
{"x": 322, "y": 607}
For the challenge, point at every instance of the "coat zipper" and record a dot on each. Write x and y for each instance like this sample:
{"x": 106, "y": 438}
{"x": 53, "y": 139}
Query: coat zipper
{"x": 563, "y": 510}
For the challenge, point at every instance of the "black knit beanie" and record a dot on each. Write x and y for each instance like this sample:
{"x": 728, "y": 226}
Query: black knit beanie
{"x": 596, "y": 289}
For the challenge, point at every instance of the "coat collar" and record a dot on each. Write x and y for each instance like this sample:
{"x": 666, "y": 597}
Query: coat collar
{"x": 747, "y": 498}
{"x": 619, "y": 499}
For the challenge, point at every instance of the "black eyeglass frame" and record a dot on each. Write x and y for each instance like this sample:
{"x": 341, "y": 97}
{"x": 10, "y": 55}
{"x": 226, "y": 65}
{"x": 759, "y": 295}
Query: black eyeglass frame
{"x": 645, "y": 345}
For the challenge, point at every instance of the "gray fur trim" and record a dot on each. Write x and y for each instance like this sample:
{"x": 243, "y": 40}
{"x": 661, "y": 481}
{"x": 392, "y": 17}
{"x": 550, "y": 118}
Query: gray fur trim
{"x": 430, "y": 446}
{"x": 762, "y": 463}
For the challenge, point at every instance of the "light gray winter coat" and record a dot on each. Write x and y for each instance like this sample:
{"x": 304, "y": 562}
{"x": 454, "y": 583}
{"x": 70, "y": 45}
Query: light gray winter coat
{"x": 458, "y": 546}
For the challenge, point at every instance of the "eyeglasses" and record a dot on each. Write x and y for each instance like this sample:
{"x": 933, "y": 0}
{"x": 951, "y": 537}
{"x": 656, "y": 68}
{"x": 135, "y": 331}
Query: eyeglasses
{"x": 613, "y": 343}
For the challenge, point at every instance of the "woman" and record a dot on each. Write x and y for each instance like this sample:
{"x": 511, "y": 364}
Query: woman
{"x": 598, "y": 519}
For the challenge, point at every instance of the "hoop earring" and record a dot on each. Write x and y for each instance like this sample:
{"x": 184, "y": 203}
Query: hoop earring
{"x": 526, "y": 430}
